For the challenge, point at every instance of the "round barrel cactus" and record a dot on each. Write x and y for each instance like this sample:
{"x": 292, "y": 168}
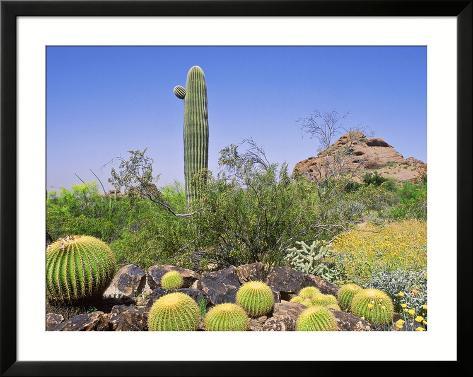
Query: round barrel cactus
{"x": 324, "y": 300}
{"x": 373, "y": 305}
{"x": 78, "y": 268}
{"x": 226, "y": 317}
{"x": 256, "y": 298}
{"x": 172, "y": 280}
{"x": 296, "y": 299}
{"x": 346, "y": 293}
{"x": 308, "y": 292}
{"x": 174, "y": 312}
{"x": 316, "y": 318}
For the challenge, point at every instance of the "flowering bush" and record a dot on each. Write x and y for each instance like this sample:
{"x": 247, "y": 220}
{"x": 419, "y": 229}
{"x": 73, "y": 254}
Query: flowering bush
{"x": 370, "y": 249}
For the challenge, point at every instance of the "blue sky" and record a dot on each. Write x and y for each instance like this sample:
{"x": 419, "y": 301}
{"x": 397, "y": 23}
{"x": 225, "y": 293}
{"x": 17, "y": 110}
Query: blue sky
{"x": 103, "y": 101}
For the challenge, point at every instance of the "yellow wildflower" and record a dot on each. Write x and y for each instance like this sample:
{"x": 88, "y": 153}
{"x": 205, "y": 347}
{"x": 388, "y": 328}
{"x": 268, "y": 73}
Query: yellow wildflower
{"x": 424, "y": 307}
{"x": 419, "y": 318}
{"x": 401, "y": 294}
{"x": 399, "y": 323}
{"x": 403, "y": 306}
{"x": 370, "y": 306}
{"x": 420, "y": 328}
{"x": 424, "y": 323}
{"x": 411, "y": 312}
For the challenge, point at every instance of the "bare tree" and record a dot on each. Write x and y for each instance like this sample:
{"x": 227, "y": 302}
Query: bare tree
{"x": 323, "y": 126}
{"x": 135, "y": 177}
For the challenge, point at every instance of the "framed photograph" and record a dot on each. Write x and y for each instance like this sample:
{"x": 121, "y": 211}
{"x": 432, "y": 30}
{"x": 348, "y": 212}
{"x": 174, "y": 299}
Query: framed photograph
{"x": 236, "y": 187}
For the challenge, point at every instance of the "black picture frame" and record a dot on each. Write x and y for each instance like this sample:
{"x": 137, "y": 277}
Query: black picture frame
{"x": 8, "y": 342}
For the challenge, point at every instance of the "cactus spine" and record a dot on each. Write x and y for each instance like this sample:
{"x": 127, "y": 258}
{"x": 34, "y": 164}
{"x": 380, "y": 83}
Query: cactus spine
{"x": 226, "y": 317}
{"x": 346, "y": 293}
{"x": 174, "y": 312}
{"x": 308, "y": 292}
{"x": 196, "y": 131}
{"x": 256, "y": 298}
{"x": 316, "y": 318}
{"x": 78, "y": 268}
{"x": 373, "y": 305}
{"x": 172, "y": 280}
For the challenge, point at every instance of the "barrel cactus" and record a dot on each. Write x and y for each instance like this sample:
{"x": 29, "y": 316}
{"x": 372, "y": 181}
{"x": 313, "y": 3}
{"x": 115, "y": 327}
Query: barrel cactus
{"x": 78, "y": 268}
{"x": 373, "y": 305}
{"x": 174, "y": 312}
{"x": 226, "y": 317}
{"x": 324, "y": 300}
{"x": 196, "y": 131}
{"x": 346, "y": 293}
{"x": 316, "y": 318}
{"x": 296, "y": 299}
{"x": 172, "y": 280}
{"x": 308, "y": 292}
{"x": 256, "y": 298}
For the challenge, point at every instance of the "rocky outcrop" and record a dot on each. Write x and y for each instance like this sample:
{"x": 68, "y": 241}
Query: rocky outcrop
{"x": 127, "y": 284}
{"x": 210, "y": 289}
{"x": 354, "y": 155}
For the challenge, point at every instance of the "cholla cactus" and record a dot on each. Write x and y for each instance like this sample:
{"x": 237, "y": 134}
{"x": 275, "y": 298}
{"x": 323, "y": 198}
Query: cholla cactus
{"x": 226, "y": 317}
{"x": 346, "y": 293}
{"x": 196, "y": 131}
{"x": 174, "y": 312}
{"x": 172, "y": 280}
{"x": 316, "y": 318}
{"x": 256, "y": 298}
{"x": 310, "y": 259}
{"x": 373, "y": 305}
{"x": 78, "y": 268}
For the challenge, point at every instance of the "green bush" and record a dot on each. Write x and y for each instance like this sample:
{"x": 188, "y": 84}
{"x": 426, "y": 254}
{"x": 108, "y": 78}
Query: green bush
{"x": 412, "y": 202}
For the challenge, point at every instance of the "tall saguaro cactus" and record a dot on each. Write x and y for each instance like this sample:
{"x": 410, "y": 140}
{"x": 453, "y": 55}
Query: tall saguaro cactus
{"x": 196, "y": 131}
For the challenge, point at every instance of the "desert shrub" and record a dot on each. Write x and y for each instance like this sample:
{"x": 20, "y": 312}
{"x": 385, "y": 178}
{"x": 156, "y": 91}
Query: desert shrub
{"x": 412, "y": 202}
{"x": 407, "y": 288}
{"x": 369, "y": 249}
{"x": 373, "y": 179}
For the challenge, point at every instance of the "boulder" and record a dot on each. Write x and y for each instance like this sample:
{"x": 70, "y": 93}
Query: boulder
{"x": 256, "y": 324}
{"x": 83, "y": 322}
{"x": 286, "y": 281}
{"x": 156, "y": 272}
{"x": 251, "y": 272}
{"x": 127, "y": 283}
{"x": 128, "y": 318}
{"x": 349, "y": 322}
{"x": 323, "y": 285}
{"x": 220, "y": 286}
{"x": 53, "y": 320}
{"x": 152, "y": 297}
{"x": 280, "y": 323}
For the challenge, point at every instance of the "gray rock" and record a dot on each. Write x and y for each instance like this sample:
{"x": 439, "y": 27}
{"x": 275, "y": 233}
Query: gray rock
{"x": 128, "y": 318}
{"x": 286, "y": 281}
{"x": 155, "y": 273}
{"x": 127, "y": 283}
{"x": 323, "y": 285}
{"x": 252, "y": 272}
{"x": 256, "y": 324}
{"x": 349, "y": 322}
{"x": 220, "y": 286}
{"x": 280, "y": 323}
{"x": 53, "y": 320}
{"x": 83, "y": 322}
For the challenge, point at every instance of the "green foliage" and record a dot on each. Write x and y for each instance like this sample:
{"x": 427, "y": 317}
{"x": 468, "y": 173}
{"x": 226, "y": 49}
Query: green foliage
{"x": 308, "y": 292}
{"x": 196, "y": 130}
{"x": 373, "y": 305}
{"x": 405, "y": 287}
{"x": 256, "y": 298}
{"x": 174, "y": 312}
{"x": 412, "y": 202}
{"x": 346, "y": 293}
{"x": 316, "y": 318}
{"x": 226, "y": 317}
{"x": 78, "y": 268}
{"x": 373, "y": 179}
{"x": 172, "y": 280}
{"x": 312, "y": 259}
